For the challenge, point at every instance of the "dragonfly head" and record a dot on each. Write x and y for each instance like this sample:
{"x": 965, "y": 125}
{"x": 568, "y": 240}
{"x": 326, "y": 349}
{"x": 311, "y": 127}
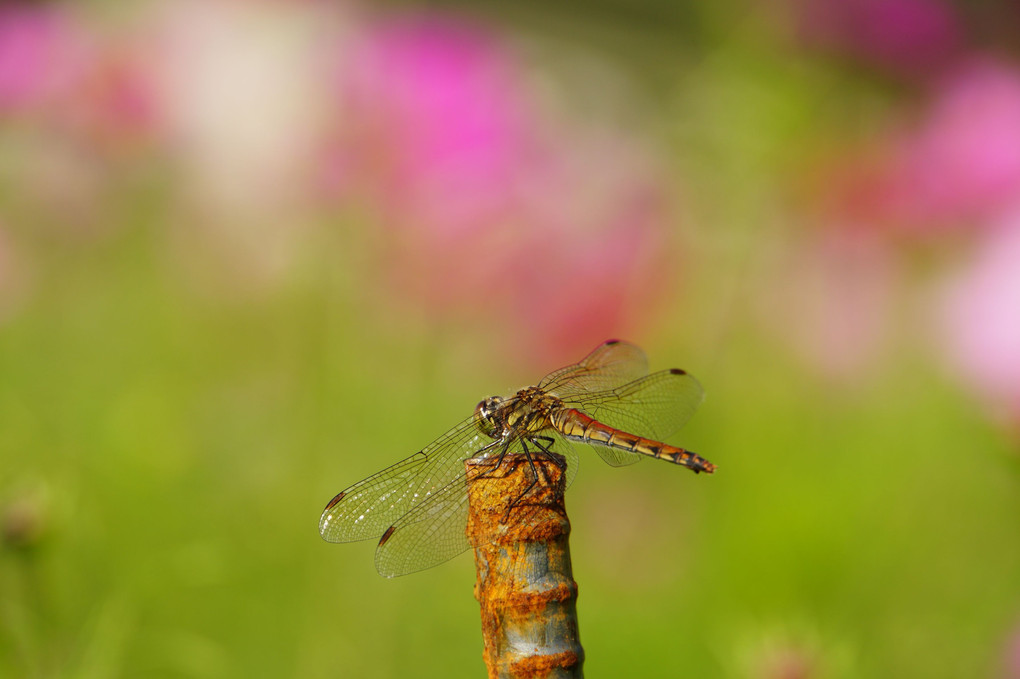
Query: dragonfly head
{"x": 485, "y": 416}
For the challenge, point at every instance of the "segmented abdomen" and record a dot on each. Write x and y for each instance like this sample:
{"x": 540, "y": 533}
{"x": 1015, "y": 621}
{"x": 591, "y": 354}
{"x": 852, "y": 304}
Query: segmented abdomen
{"x": 578, "y": 426}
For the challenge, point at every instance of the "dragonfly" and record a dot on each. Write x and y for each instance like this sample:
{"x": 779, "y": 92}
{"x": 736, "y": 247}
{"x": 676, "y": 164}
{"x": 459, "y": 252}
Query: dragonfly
{"x": 417, "y": 508}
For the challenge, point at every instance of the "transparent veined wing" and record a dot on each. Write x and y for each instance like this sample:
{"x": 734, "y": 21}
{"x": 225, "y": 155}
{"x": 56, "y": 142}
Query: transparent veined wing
{"x": 431, "y": 533}
{"x": 610, "y": 365}
{"x": 366, "y": 509}
{"x": 434, "y": 531}
{"x": 655, "y": 406}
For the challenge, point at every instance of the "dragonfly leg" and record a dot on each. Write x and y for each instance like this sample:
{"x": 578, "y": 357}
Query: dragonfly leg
{"x": 534, "y": 478}
{"x": 543, "y": 443}
{"x": 548, "y": 441}
{"x": 499, "y": 459}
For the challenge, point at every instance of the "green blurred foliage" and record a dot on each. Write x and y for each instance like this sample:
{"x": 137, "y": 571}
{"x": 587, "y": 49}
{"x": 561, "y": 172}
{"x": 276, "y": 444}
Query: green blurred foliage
{"x": 178, "y": 453}
{"x": 165, "y": 454}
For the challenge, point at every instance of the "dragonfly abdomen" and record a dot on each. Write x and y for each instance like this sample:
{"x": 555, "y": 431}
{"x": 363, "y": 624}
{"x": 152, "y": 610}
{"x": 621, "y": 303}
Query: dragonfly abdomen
{"x": 578, "y": 426}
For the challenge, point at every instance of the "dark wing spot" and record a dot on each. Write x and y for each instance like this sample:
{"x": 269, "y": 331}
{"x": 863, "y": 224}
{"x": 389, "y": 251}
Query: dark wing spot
{"x": 611, "y": 342}
{"x": 339, "y": 496}
{"x": 386, "y": 535}
{"x": 677, "y": 371}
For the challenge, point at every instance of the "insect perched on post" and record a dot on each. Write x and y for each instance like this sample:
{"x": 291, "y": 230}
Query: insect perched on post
{"x": 418, "y": 507}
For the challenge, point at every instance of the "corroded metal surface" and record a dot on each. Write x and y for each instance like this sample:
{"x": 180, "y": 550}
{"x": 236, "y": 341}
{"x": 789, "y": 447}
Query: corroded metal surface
{"x": 519, "y": 531}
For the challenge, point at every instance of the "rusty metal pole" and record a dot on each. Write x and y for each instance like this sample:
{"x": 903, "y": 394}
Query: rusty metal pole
{"x": 524, "y": 585}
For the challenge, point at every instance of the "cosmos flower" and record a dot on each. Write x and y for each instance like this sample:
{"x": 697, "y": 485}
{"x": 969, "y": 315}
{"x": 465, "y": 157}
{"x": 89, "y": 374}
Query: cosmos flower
{"x": 495, "y": 212}
{"x": 437, "y": 114}
{"x": 962, "y": 165}
{"x": 979, "y": 319}
{"x": 910, "y": 37}
{"x": 74, "y": 100}
{"x": 432, "y": 130}
{"x": 40, "y": 56}
{"x": 831, "y": 299}
{"x": 955, "y": 169}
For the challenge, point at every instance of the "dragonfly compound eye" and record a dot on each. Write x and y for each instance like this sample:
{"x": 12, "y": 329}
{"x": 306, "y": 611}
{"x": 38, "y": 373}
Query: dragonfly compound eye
{"x": 485, "y": 416}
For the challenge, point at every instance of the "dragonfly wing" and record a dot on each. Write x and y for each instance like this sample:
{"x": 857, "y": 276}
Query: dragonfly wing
{"x": 372, "y": 505}
{"x": 611, "y": 364}
{"x": 655, "y": 406}
{"x": 567, "y": 449}
{"x": 434, "y": 531}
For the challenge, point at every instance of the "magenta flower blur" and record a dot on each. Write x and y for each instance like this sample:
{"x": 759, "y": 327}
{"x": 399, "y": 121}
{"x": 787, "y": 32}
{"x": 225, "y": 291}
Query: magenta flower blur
{"x": 980, "y": 320}
{"x": 39, "y": 55}
{"x": 115, "y": 105}
{"x": 438, "y": 105}
{"x": 959, "y": 167}
{"x": 498, "y": 214}
{"x": 907, "y": 36}
{"x": 963, "y": 164}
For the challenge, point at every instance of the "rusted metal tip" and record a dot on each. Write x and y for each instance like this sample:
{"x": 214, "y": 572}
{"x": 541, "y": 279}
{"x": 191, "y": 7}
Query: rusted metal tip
{"x": 518, "y": 527}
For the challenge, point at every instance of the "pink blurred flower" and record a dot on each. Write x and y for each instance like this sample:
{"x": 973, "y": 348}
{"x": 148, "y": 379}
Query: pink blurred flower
{"x": 497, "y": 214}
{"x": 980, "y": 320}
{"x": 39, "y": 55}
{"x": 438, "y": 109}
{"x": 958, "y": 168}
{"x": 907, "y": 36}
{"x": 782, "y": 653}
{"x": 79, "y": 100}
{"x": 75, "y": 78}
{"x": 1011, "y": 655}
{"x": 858, "y": 185}
{"x": 788, "y": 663}
{"x": 832, "y": 300}
{"x": 114, "y": 107}
{"x": 963, "y": 163}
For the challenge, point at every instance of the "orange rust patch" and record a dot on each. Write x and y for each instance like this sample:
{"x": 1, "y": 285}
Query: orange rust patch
{"x": 530, "y": 603}
{"x": 542, "y": 666}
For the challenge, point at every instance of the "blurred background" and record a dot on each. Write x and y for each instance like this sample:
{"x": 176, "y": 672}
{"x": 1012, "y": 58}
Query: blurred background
{"x": 251, "y": 252}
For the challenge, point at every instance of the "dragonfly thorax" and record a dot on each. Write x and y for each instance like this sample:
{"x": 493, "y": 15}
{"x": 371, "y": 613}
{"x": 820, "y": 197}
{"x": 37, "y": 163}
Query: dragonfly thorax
{"x": 526, "y": 412}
